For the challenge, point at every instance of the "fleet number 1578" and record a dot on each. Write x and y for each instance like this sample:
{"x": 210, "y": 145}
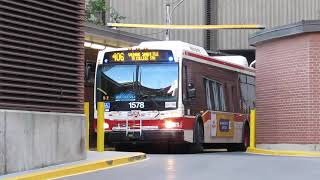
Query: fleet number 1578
{"x": 136, "y": 105}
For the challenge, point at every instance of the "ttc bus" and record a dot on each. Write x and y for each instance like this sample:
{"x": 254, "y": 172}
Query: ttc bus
{"x": 173, "y": 93}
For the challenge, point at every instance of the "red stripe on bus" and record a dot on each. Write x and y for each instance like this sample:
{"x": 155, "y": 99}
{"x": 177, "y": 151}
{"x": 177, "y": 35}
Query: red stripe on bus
{"x": 186, "y": 123}
{"x": 240, "y": 117}
{"x": 219, "y": 62}
{"x": 206, "y": 116}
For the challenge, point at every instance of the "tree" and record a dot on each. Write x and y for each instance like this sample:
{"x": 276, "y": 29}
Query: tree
{"x": 96, "y": 11}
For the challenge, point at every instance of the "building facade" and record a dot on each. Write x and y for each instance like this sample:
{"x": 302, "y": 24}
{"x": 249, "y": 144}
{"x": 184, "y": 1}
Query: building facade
{"x": 154, "y": 12}
{"x": 287, "y": 81}
{"x": 41, "y": 84}
{"x": 265, "y": 12}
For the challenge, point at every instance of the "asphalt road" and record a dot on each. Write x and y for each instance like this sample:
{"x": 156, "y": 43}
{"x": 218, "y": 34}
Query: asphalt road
{"x": 213, "y": 165}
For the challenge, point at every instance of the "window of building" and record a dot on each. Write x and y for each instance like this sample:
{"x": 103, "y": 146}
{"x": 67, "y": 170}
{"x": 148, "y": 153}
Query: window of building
{"x": 215, "y": 95}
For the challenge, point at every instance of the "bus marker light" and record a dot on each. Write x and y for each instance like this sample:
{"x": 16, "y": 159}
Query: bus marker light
{"x": 170, "y": 58}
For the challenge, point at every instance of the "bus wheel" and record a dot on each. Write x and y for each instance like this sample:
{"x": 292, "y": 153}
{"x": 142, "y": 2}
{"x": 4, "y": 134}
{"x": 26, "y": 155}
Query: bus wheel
{"x": 198, "y": 139}
{"x": 245, "y": 141}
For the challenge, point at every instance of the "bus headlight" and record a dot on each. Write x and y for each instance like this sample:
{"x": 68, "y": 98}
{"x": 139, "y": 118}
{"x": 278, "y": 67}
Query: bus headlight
{"x": 105, "y": 125}
{"x": 169, "y": 124}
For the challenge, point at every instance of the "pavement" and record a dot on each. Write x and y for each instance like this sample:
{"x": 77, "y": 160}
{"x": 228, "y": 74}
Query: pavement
{"x": 212, "y": 165}
{"x": 95, "y": 161}
{"x": 209, "y": 164}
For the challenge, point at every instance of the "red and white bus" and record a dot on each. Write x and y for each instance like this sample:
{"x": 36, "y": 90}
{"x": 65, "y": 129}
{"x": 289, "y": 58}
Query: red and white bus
{"x": 174, "y": 93}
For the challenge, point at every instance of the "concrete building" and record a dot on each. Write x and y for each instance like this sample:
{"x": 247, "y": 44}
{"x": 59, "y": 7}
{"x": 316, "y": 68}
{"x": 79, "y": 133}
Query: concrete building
{"x": 287, "y": 81}
{"x": 41, "y": 84}
{"x": 266, "y": 12}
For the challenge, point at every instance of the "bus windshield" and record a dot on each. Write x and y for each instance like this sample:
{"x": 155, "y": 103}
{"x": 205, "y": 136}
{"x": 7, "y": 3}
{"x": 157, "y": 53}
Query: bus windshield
{"x": 154, "y": 85}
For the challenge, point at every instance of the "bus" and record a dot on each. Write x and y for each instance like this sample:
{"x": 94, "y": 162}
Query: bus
{"x": 174, "y": 93}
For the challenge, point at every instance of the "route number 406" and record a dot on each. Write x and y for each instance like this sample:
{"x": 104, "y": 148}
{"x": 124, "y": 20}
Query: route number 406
{"x": 136, "y": 105}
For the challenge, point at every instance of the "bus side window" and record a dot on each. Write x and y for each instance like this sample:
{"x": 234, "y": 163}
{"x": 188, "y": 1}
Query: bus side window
{"x": 243, "y": 93}
{"x": 185, "y": 83}
{"x": 215, "y": 95}
{"x": 229, "y": 98}
{"x": 251, "y": 91}
{"x": 248, "y": 92}
{"x": 235, "y": 102}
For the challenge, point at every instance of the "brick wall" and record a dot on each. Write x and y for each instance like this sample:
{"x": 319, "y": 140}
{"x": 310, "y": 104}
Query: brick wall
{"x": 288, "y": 94}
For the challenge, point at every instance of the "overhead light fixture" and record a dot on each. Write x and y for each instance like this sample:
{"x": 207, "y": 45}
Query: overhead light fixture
{"x": 97, "y": 46}
{"x": 94, "y": 46}
{"x": 87, "y": 44}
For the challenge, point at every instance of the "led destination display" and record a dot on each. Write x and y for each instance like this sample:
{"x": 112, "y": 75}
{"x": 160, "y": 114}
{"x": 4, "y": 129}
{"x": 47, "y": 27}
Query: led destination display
{"x": 138, "y": 56}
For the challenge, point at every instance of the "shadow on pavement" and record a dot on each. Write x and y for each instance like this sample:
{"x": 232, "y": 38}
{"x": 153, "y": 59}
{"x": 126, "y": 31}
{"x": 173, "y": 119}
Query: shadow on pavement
{"x": 163, "y": 149}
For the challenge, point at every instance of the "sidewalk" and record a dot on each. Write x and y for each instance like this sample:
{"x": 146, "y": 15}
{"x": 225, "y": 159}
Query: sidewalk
{"x": 95, "y": 161}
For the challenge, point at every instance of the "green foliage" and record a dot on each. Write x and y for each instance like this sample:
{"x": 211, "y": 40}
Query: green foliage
{"x": 115, "y": 16}
{"x": 96, "y": 12}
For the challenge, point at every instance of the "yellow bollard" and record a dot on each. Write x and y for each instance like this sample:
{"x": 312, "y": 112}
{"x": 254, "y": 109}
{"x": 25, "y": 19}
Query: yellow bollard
{"x": 86, "y": 112}
{"x": 100, "y": 128}
{"x": 252, "y": 129}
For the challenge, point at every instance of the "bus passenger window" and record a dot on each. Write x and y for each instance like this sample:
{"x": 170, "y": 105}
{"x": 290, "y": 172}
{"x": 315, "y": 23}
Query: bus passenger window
{"x": 247, "y": 89}
{"x": 215, "y": 95}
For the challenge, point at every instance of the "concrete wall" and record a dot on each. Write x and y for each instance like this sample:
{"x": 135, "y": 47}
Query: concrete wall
{"x": 31, "y": 140}
{"x": 2, "y": 144}
{"x": 286, "y": 147}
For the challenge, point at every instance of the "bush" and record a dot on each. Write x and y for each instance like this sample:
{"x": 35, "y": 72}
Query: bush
{"x": 96, "y": 12}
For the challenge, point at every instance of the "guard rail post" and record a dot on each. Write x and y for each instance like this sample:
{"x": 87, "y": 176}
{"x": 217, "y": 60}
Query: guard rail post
{"x": 100, "y": 127}
{"x": 86, "y": 113}
{"x": 252, "y": 129}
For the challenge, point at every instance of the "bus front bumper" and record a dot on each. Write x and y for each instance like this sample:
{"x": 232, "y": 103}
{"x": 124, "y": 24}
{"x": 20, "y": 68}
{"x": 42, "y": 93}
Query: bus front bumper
{"x": 147, "y": 136}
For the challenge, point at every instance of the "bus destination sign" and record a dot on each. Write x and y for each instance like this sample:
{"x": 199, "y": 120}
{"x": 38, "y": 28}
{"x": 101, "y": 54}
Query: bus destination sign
{"x": 138, "y": 56}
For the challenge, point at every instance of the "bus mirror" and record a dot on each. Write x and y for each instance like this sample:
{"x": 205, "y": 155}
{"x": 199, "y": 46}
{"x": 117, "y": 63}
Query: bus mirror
{"x": 191, "y": 91}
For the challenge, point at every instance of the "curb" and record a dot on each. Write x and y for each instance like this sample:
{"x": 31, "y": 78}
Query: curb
{"x": 282, "y": 153}
{"x": 82, "y": 168}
